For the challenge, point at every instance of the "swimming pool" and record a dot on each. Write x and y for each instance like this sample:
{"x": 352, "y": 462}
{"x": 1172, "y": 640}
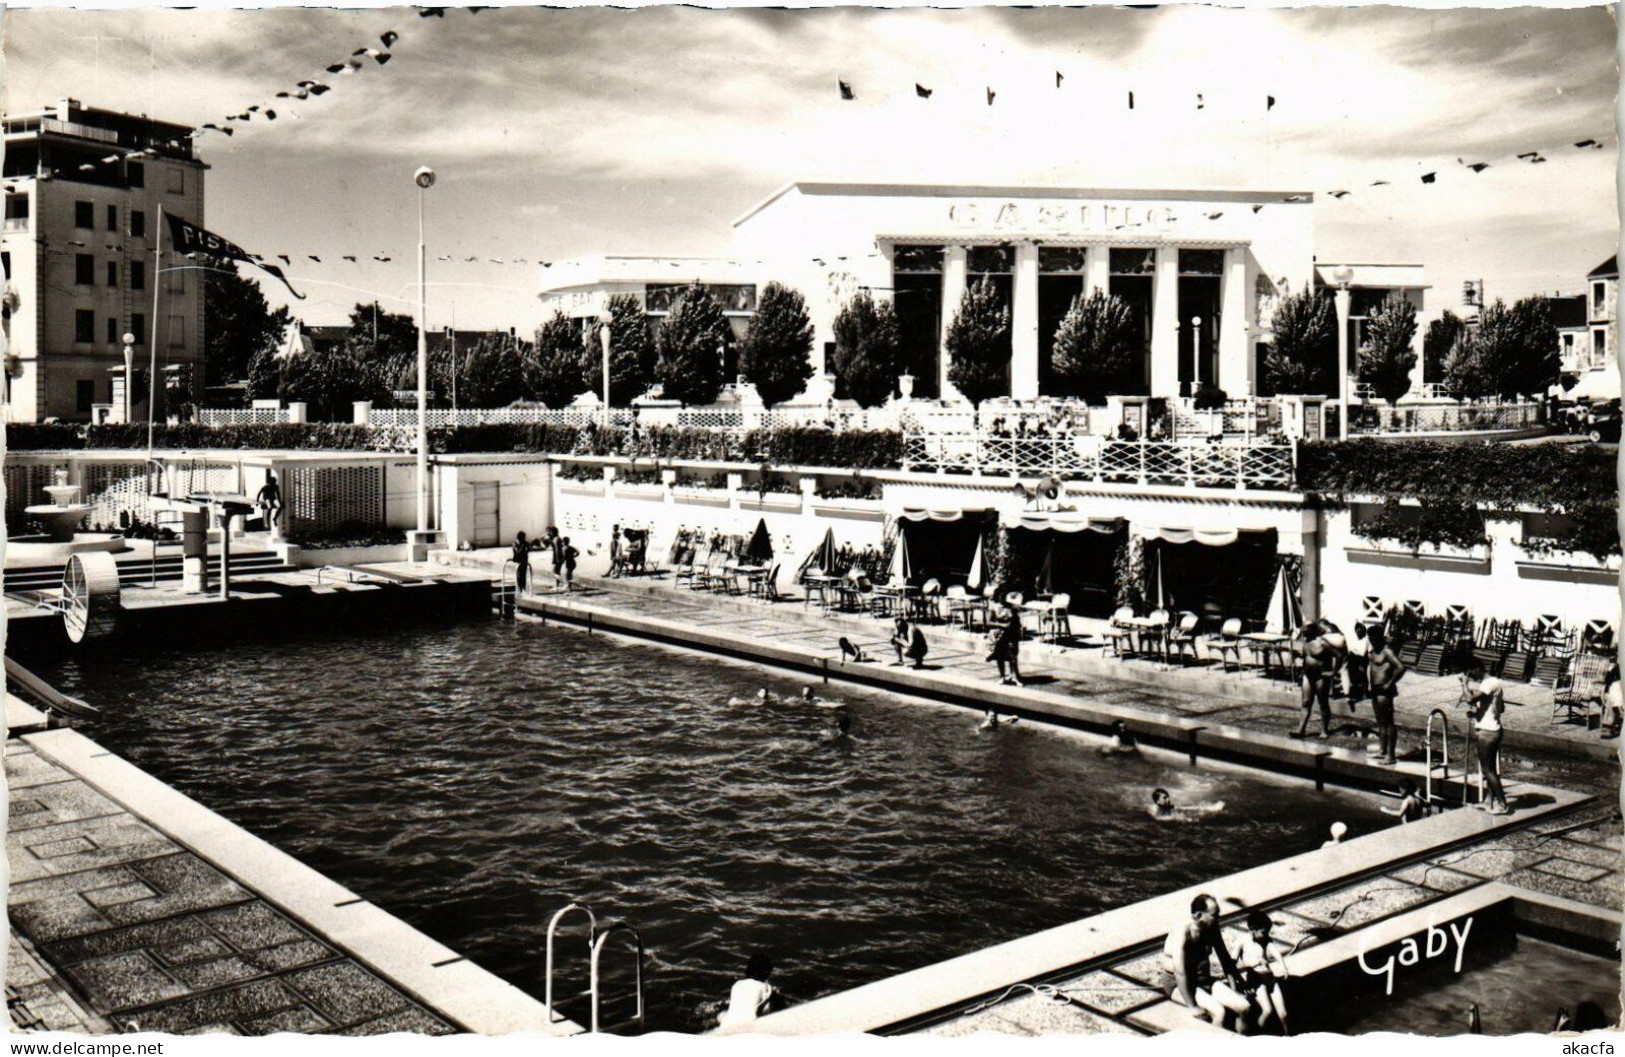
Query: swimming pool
{"x": 472, "y": 779}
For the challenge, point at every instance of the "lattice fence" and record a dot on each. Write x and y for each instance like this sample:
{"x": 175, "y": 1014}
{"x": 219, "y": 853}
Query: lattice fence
{"x": 1090, "y": 458}
{"x": 25, "y": 487}
{"x": 113, "y": 490}
{"x": 241, "y": 416}
{"x": 329, "y": 500}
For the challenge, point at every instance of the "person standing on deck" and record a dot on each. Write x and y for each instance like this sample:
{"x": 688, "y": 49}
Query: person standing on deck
{"x": 1384, "y": 670}
{"x": 615, "y": 557}
{"x": 1318, "y": 660}
{"x": 555, "y": 543}
{"x": 1486, "y": 700}
{"x": 269, "y": 500}
{"x": 567, "y": 563}
{"x": 1007, "y": 649}
{"x": 521, "y": 561}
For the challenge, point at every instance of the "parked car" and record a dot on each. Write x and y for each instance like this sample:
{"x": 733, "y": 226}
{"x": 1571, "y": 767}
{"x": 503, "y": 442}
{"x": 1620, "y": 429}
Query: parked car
{"x": 1603, "y": 422}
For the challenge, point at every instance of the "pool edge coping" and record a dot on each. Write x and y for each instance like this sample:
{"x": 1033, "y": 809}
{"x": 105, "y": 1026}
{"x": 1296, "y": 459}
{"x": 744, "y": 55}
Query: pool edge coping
{"x": 445, "y": 982}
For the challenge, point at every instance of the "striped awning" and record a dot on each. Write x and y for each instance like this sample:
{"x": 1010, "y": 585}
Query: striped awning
{"x": 1060, "y": 521}
{"x": 1210, "y": 537}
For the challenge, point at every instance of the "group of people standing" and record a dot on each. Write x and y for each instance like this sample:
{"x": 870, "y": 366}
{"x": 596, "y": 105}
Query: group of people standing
{"x": 1374, "y": 670}
{"x": 557, "y": 547}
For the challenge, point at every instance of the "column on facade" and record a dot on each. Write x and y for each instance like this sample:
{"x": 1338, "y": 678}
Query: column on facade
{"x": 1418, "y": 369}
{"x": 1304, "y": 543}
{"x": 1024, "y": 323}
{"x": 1097, "y": 270}
{"x": 1165, "y": 324}
{"x": 1235, "y": 361}
{"x": 953, "y": 290}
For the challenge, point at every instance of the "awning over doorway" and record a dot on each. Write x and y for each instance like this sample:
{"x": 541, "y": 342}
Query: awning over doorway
{"x": 917, "y": 513}
{"x": 1210, "y": 537}
{"x": 1060, "y": 521}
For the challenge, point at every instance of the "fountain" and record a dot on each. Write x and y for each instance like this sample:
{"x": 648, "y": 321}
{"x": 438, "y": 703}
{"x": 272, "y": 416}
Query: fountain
{"x": 61, "y": 518}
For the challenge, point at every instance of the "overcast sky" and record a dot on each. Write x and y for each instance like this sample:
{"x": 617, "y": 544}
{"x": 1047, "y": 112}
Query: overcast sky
{"x": 565, "y": 132}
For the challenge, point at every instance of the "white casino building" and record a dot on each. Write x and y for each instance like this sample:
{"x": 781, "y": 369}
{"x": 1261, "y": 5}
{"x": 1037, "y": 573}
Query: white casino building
{"x": 1202, "y": 269}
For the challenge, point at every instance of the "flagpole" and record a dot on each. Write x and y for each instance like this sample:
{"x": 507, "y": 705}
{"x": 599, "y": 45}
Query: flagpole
{"x": 152, "y": 330}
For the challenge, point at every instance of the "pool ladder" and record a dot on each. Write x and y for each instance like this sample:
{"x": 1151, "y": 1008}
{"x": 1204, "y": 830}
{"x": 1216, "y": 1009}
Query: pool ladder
{"x": 508, "y": 596}
{"x": 596, "y": 941}
{"x": 1470, "y": 783}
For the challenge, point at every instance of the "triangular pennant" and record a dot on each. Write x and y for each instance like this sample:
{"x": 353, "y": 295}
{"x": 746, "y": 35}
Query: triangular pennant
{"x": 1429, "y": 177}
{"x": 1131, "y": 100}
{"x": 846, "y": 90}
{"x": 389, "y": 38}
{"x": 1338, "y": 194}
{"x": 349, "y": 258}
{"x": 1479, "y": 166}
{"x": 313, "y": 257}
{"x": 432, "y": 12}
{"x": 990, "y": 95}
{"x": 382, "y": 57}
{"x": 1269, "y": 103}
{"x": 1257, "y": 208}
{"x": 1058, "y": 78}
{"x": 1200, "y": 105}
{"x": 921, "y": 91}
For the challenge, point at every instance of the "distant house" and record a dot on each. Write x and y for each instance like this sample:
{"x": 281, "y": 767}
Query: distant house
{"x": 1597, "y": 362}
{"x": 1569, "y": 315}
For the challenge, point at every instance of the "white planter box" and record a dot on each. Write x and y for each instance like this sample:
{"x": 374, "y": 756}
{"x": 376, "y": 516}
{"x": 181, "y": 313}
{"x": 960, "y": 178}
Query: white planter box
{"x": 582, "y": 487}
{"x": 698, "y": 496}
{"x": 777, "y": 501}
{"x": 653, "y": 492}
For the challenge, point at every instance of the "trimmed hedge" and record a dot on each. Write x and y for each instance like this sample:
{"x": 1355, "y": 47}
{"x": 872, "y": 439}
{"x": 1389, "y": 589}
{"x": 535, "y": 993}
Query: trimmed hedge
{"x": 852, "y": 449}
{"x": 1453, "y": 479}
{"x": 1553, "y": 477}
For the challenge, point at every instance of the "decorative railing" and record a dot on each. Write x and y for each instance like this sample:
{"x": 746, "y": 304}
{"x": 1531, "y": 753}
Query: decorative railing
{"x": 1145, "y": 462}
{"x": 242, "y": 416}
{"x": 1442, "y": 418}
{"x": 440, "y": 417}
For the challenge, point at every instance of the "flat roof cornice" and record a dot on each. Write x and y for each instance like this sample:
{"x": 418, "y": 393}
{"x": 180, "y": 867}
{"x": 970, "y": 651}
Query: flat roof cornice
{"x": 877, "y": 190}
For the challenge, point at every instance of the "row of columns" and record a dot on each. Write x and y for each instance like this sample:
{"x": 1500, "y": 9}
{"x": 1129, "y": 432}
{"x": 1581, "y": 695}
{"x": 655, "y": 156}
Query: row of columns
{"x": 1235, "y": 360}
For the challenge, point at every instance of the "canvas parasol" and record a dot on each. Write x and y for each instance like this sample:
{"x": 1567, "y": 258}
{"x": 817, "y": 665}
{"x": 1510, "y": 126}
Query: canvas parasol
{"x": 1285, "y": 615}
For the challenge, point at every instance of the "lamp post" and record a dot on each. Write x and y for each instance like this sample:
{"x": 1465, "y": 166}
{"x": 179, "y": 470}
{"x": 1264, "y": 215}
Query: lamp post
{"x": 129, "y": 376}
{"x": 604, "y": 318}
{"x": 424, "y": 178}
{"x": 1342, "y": 276}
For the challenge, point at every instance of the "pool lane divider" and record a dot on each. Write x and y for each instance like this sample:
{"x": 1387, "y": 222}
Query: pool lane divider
{"x": 432, "y": 974}
{"x": 1321, "y": 765}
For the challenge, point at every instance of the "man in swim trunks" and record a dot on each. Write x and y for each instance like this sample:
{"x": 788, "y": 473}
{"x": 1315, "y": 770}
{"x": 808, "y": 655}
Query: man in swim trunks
{"x": 1385, "y": 669}
{"x": 1188, "y": 978}
{"x": 1319, "y": 660}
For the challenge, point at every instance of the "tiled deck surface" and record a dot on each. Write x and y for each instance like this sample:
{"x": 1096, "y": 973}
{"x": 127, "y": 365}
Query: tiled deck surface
{"x": 1576, "y": 856}
{"x": 132, "y": 932}
{"x": 1046, "y": 667}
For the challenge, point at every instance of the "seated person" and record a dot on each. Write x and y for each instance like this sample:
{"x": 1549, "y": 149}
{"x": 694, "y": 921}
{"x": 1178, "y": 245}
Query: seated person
{"x": 1188, "y": 978}
{"x": 1263, "y": 966}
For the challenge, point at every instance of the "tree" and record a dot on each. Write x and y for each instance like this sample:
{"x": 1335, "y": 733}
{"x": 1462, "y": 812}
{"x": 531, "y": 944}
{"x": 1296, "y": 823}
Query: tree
{"x": 1387, "y": 360}
{"x": 867, "y": 343}
{"x": 691, "y": 343}
{"x": 1512, "y": 352}
{"x": 632, "y": 361}
{"x": 776, "y": 355}
{"x": 1300, "y": 359}
{"x": 237, "y": 323}
{"x": 978, "y": 344}
{"x": 1439, "y": 341}
{"x": 1536, "y": 358}
{"x": 492, "y": 372}
{"x": 264, "y": 374}
{"x": 1097, "y": 348}
{"x": 382, "y": 335}
{"x": 552, "y": 368}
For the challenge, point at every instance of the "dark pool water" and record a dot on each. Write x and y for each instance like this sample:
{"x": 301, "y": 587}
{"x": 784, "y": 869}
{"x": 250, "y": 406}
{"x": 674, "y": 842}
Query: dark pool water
{"x": 1518, "y": 991}
{"x": 473, "y": 779}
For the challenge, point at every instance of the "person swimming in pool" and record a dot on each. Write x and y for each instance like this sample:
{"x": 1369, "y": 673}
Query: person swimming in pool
{"x": 1163, "y": 808}
{"x": 990, "y": 720}
{"x": 1122, "y": 742}
{"x": 851, "y": 652}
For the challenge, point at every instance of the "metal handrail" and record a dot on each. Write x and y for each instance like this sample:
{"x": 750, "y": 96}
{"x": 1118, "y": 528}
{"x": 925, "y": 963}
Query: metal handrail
{"x": 1444, "y": 750}
{"x": 552, "y": 927}
{"x": 598, "y": 949}
{"x": 502, "y": 586}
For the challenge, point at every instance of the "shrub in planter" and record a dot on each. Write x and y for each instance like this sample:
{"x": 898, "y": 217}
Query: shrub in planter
{"x": 1210, "y": 397}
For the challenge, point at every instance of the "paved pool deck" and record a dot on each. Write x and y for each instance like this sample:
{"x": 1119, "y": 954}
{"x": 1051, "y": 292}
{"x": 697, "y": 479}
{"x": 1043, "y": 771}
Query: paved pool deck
{"x": 134, "y": 908}
{"x": 1531, "y": 720}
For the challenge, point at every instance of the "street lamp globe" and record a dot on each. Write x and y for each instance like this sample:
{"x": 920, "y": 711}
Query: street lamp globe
{"x": 129, "y": 339}
{"x": 424, "y": 177}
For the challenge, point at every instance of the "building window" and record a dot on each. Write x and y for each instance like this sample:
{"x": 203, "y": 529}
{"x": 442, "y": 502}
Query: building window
{"x": 1598, "y": 298}
{"x": 177, "y": 180}
{"x": 177, "y": 332}
{"x": 136, "y": 172}
{"x": 138, "y": 327}
{"x": 1200, "y": 279}
{"x": 84, "y": 269}
{"x": 84, "y": 394}
{"x": 1599, "y": 348}
{"x": 84, "y": 215}
{"x": 917, "y": 298}
{"x": 996, "y": 265}
{"x": 138, "y": 224}
{"x": 112, "y": 218}
{"x": 1130, "y": 278}
{"x": 84, "y": 326}
{"x": 138, "y": 275}
{"x": 1060, "y": 282}
{"x": 112, "y": 273}
{"x": 112, "y": 330}
{"x": 17, "y": 208}
{"x": 177, "y": 283}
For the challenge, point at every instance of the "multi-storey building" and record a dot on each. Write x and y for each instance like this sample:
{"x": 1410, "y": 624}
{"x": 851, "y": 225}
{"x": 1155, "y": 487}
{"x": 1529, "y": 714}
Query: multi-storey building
{"x": 83, "y": 193}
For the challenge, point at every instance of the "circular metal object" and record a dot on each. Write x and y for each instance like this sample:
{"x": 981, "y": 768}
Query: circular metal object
{"x": 90, "y": 596}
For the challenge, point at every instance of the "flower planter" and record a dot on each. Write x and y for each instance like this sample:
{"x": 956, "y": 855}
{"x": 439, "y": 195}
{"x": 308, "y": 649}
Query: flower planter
{"x": 651, "y": 492}
{"x": 849, "y": 509}
{"x": 697, "y": 496}
{"x": 582, "y": 487}
{"x": 782, "y": 502}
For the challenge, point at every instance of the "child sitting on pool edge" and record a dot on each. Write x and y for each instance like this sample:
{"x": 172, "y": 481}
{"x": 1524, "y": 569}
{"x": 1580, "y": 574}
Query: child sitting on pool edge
{"x": 751, "y": 997}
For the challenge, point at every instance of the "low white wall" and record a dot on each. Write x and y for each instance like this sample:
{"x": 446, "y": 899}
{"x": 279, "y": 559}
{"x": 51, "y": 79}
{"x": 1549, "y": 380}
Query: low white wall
{"x": 1501, "y": 580}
